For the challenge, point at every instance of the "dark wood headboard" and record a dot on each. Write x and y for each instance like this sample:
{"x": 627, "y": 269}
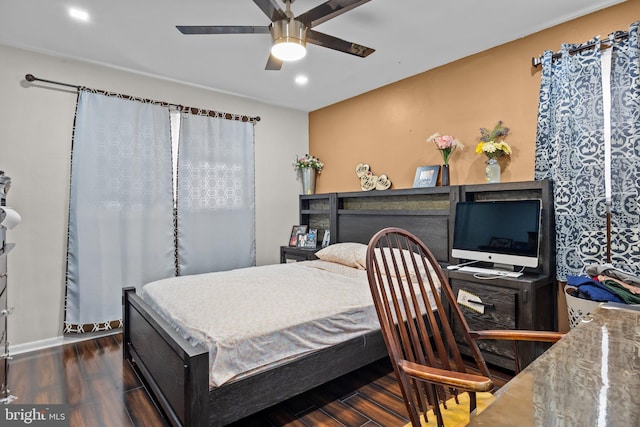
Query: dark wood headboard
{"x": 357, "y": 216}
{"x": 426, "y": 212}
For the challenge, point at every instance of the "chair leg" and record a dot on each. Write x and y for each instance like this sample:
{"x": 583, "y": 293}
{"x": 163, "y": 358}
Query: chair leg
{"x": 414, "y": 417}
{"x": 407, "y": 388}
{"x": 472, "y": 401}
{"x": 436, "y": 408}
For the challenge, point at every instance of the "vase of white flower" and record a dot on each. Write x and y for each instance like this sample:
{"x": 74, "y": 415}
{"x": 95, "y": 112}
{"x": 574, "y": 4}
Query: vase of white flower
{"x": 493, "y": 145}
{"x": 308, "y": 166}
{"x": 308, "y": 181}
{"x": 492, "y": 170}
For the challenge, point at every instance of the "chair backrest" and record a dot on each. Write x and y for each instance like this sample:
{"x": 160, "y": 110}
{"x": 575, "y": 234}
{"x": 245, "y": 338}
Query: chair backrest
{"x": 408, "y": 284}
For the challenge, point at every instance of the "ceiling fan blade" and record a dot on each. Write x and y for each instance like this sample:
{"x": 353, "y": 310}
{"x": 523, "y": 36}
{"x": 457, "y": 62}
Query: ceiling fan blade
{"x": 222, "y": 29}
{"x": 271, "y": 9}
{"x": 273, "y": 63}
{"x": 328, "y": 10}
{"x": 325, "y": 40}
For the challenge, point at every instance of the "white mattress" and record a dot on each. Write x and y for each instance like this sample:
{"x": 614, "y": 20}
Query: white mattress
{"x": 256, "y": 317}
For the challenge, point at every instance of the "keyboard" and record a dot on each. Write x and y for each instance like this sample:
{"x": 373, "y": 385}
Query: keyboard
{"x": 490, "y": 272}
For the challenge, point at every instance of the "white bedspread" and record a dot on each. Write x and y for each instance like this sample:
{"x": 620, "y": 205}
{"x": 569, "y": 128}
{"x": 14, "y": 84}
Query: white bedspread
{"x": 256, "y": 317}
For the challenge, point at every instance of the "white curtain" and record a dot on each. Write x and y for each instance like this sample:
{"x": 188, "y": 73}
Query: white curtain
{"x": 121, "y": 229}
{"x": 216, "y": 211}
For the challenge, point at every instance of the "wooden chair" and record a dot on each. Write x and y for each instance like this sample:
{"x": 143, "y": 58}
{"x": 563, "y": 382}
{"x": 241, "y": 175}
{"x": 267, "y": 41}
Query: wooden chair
{"x": 406, "y": 280}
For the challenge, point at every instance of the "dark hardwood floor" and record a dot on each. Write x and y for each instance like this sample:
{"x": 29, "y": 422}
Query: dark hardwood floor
{"x": 102, "y": 390}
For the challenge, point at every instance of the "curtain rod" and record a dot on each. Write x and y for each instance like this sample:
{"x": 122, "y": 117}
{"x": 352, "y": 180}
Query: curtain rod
{"x": 193, "y": 110}
{"x": 618, "y": 35}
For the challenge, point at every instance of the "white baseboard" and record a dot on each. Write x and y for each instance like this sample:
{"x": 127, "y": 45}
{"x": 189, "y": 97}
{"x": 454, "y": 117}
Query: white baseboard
{"x": 57, "y": 341}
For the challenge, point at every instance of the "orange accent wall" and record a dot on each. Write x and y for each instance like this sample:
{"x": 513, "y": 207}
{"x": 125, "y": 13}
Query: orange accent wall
{"x": 387, "y": 127}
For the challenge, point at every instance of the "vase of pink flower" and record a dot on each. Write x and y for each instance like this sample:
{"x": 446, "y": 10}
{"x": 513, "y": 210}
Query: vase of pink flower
{"x": 446, "y": 144}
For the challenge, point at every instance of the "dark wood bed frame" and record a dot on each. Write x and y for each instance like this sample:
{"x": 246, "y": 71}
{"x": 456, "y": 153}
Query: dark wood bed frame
{"x": 176, "y": 372}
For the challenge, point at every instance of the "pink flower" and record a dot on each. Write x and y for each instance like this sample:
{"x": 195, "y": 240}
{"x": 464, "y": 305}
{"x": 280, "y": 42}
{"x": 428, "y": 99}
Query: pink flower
{"x": 445, "y": 141}
{"x": 446, "y": 144}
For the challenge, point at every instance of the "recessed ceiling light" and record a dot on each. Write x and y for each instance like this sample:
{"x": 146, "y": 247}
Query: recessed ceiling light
{"x": 302, "y": 80}
{"x": 78, "y": 14}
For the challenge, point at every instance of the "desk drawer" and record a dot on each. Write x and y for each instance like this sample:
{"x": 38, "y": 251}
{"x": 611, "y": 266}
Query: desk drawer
{"x": 502, "y": 314}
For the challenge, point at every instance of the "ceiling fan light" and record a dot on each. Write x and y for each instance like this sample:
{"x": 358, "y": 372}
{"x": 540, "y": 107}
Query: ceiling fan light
{"x": 289, "y": 40}
{"x": 288, "y": 51}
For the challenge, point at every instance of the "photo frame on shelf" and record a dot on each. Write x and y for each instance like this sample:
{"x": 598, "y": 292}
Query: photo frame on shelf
{"x": 426, "y": 176}
{"x": 312, "y": 238}
{"x": 326, "y": 238}
{"x": 295, "y": 231}
{"x": 302, "y": 240}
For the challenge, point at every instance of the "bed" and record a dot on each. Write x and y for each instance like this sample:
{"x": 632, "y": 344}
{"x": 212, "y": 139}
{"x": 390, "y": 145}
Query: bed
{"x": 175, "y": 365}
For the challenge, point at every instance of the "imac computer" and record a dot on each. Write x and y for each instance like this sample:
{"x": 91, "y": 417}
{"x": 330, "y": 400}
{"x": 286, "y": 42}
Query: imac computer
{"x": 505, "y": 233}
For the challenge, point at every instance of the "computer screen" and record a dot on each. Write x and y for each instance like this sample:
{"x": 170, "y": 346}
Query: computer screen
{"x": 505, "y": 232}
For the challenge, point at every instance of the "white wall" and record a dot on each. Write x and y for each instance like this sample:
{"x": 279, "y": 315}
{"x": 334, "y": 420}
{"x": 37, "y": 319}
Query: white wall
{"x": 35, "y": 144}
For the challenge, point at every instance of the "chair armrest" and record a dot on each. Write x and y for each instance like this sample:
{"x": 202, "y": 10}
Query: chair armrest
{"x": 517, "y": 335}
{"x": 468, "y": 382}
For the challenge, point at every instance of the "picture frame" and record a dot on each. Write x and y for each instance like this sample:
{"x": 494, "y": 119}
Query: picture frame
{"x": 312, "y": 238}
{"x": 426, "y": 176}
{"x": 326, "y": 239}
{"x": 295, "y": 231}
{"x": 302, "y": 240}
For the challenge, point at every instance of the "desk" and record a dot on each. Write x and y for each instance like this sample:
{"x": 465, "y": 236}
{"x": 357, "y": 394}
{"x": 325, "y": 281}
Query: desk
{"x": 591, "y": 377}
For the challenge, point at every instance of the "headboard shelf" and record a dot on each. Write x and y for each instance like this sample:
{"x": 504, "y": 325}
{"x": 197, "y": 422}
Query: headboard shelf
{"x": 397, "y": 192}
{"x": 315, "y": 211}
{"x": 395, "y": 212}
{"x": 507, "y": 191}
{"x": 423, "y": 200}
{"x": 415, "y": 202}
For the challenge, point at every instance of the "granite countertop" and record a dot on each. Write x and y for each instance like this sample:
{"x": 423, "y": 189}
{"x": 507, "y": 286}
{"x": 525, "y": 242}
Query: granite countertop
{"x": 591, "y": 377}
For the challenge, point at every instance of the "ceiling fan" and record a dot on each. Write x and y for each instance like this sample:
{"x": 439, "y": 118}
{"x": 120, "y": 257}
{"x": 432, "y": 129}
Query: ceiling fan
{"x": 291, "y": 33}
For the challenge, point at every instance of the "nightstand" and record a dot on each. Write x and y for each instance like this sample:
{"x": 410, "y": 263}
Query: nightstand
{"x": 292, "y": 253}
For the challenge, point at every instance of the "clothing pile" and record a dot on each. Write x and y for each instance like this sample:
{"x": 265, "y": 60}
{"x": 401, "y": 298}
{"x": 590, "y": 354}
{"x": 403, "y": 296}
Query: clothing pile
{"x": 605, "y": 283}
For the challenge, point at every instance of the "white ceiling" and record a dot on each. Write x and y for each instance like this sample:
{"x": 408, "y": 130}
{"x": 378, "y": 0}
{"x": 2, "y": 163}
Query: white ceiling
{"x": 410, "y": 37}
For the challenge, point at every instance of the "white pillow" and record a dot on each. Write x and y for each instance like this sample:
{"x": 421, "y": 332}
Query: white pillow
{"x": 350, "y": 254}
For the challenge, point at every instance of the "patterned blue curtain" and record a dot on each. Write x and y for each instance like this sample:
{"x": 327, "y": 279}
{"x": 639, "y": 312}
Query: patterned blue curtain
{"x": 625, "y": 152}
{"x": 570, "y": 151}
